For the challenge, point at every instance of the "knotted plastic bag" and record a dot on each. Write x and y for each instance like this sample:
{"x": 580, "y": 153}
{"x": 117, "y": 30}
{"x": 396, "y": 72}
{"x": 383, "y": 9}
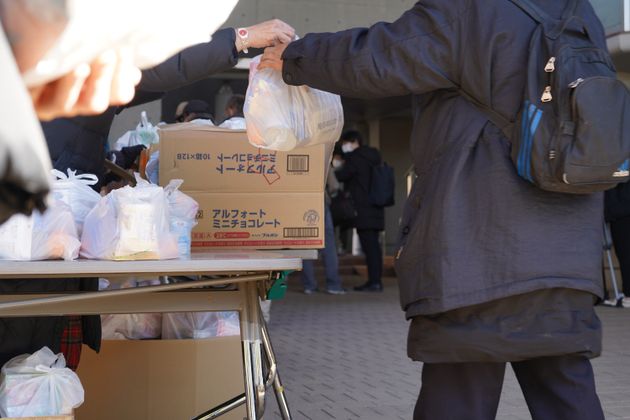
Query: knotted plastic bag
{"x": 75, "y": 190}
{"x": 282, "y": 117}
{"x": 39, "y": 384}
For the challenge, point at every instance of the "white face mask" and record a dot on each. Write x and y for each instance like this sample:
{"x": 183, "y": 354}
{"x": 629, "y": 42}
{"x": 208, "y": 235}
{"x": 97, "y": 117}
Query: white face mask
{"x": 336, "y": 163}
{"x": 348, "y": 147}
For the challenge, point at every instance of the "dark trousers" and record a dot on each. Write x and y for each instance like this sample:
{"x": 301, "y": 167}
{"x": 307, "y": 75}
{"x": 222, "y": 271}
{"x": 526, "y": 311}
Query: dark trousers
{"x": 620, "y": 230}
{"x": 558, "y": 388}
{"x": 373, "y": 254}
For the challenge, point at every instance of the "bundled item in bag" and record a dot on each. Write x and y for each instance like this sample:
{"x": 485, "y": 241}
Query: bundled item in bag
{"x": 145, "y": 135}
{"x": 183, "y": 213}
{"x": 199, "y": 325}
{"x": 130, "y": 326}
{"x": 282, "y": 117}
{"x": 42, "y": 236}
{"x": 75, "y": 190}
{"x": 39, "y": 384}
{"x": 131, "y": 223}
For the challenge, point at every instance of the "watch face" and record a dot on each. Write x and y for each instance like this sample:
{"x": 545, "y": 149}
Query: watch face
{"x": 242, "y": 33}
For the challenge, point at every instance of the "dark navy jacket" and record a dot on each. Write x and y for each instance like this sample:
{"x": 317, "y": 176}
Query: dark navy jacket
{"x": 472, "y": 230}
{"x": 355, "y": 175}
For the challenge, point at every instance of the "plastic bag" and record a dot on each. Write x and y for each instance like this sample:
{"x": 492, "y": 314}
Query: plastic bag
{"x": 282, "y": 117}
{"x": 145, "y": 134}
{"x": 75, "y": 191}
{"x": 152, "y": 170}
{"x": 199, "y": 325}
{"x": 130, "y": 224}
{"x": 130, "y": 326}
{"x": 149, "y": 31}
{"x": 48, "y": 236}
{"x": 183, "y": 213}
{"x": 39, "y": 385}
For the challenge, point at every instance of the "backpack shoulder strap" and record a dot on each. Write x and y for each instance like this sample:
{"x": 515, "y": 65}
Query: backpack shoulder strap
{"x": 497, "y": 119}
{"x": 533, "y": 10}
{"x": 540, "y": 15}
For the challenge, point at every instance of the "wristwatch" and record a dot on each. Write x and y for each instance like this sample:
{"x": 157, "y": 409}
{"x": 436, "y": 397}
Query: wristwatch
{"x": 243, "y": 35}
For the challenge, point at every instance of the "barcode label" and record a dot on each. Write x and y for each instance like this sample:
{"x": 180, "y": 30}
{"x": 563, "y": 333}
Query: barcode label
{"x": 297, "y": 163}
{"x": 301, "y": 232}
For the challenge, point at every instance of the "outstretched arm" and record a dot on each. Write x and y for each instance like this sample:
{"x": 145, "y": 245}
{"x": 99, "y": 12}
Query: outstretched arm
{"x": 415, "y": 54}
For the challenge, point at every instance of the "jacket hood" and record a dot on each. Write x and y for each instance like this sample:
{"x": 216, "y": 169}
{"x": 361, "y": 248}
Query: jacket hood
{"x": 368, "y": 153}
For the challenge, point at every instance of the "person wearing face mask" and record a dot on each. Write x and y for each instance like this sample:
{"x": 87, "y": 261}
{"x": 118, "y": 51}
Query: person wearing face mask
{"x": 370, "y": 220}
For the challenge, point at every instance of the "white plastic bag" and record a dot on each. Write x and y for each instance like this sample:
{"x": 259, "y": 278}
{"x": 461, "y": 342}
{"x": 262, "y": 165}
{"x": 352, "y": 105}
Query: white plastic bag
{"x": 130, "y": 224}
{"x": 39, "y": 385}
{"x": 282, "y": 117}
{"x": 48, "y": 236}
{"x": 150, "y": 31}
{"x": 199, "y": 325}
{"x": 183, "y": 213}
{"x": 131, "y": 326}
{"x": 145, "y": 134}
{"x": 75, "y": 191}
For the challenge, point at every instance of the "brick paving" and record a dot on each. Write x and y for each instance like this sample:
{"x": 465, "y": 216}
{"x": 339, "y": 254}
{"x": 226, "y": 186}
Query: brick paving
{"x": 343, "y": 357}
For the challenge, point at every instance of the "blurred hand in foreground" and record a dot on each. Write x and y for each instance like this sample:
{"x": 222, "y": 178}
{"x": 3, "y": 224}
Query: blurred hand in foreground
{"x": 90, "y": 89}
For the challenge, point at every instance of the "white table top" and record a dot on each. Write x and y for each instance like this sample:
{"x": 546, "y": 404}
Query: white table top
{"x": 199, "y": 263}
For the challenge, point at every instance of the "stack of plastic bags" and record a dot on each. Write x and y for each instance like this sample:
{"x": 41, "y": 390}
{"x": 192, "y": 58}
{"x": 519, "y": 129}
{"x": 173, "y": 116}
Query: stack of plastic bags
{"x": 300, "y": 116}
{"x": 39, "y": 385}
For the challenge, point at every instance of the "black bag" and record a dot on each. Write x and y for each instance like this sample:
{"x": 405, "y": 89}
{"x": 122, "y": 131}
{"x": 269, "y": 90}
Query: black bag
{"x": 572, "y": 134}
{"x": 382, "y": 185}
{"x": 342, "y": 208}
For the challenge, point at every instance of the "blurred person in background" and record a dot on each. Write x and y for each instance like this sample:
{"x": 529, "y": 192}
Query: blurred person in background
{"x": 235, "y": 119}
{"x": 355, "y": 174}
{"x": 329, "y": 253}
{"x": 196, "y": 109}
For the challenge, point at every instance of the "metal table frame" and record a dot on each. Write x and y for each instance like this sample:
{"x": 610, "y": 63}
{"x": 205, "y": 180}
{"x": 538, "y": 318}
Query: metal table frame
{"x": 253, "y": 274}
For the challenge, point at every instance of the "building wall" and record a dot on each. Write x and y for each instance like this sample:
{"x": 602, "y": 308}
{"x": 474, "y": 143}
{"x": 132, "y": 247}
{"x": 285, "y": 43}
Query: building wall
{"x": 318, "y": 15}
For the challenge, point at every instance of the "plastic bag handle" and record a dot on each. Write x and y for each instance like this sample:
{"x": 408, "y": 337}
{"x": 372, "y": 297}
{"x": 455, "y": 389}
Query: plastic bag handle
{"x": 87, "y": 179}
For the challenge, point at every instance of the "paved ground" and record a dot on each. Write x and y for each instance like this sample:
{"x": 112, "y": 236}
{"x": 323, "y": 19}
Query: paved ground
{"x": 343, "y": 357}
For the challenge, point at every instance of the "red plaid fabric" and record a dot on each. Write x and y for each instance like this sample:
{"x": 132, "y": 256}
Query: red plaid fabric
{"x": 72, "y": 341}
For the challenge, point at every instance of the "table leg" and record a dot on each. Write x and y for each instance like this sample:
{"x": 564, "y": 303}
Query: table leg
{"x": 277, "y": 383}
{"x": 252, "y": 352}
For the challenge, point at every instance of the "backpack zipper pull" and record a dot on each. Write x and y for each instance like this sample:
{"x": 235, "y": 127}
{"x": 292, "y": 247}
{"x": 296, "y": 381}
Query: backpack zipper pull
{"x": 551, "y": 65}
{"x": 576, "y": 83}
{"x": 546, "y": 96}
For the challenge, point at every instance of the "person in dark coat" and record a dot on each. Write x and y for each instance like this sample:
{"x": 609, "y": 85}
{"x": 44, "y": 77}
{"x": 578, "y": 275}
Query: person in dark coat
{"x": 79, "y": 144}
{"x": 618, "y": 215}
{"x": 491, "y": 269}
{"x": 370, "y": 220}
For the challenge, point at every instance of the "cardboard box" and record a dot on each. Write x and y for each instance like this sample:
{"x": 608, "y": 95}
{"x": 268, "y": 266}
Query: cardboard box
{"x": 259, "y": 220}
{"x": 249, "y": 198}
{"x": 160, "y": 379}
{"x": 217, "y": 160}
